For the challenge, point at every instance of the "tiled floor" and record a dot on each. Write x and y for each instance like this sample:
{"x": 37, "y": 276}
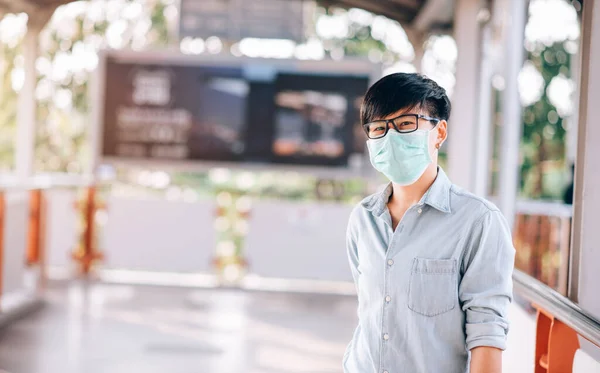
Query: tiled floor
{"x": 118, "y": 329}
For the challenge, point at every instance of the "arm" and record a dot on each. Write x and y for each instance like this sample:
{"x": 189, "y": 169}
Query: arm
{"x": 485, "y": 291}
{"x": 486, "y": 360}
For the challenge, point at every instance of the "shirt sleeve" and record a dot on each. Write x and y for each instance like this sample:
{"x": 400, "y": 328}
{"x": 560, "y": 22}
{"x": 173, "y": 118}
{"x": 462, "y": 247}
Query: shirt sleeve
{"x": 352, "y": 252}
{"x": 485, "y": 290}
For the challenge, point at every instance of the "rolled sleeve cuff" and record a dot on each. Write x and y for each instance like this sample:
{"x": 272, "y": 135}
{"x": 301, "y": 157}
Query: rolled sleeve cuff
{"x": 486, "y": 335}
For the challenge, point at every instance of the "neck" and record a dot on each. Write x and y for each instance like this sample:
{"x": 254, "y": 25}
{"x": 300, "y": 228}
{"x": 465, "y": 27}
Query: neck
{"x": 409, "y": 195}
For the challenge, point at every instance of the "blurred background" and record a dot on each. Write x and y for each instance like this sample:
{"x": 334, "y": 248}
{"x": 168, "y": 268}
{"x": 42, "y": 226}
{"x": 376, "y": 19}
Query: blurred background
{"x": 176, "y": 175}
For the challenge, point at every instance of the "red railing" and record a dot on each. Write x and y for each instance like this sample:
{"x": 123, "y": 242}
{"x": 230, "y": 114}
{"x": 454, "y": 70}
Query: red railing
{"x": 542, "y": 237}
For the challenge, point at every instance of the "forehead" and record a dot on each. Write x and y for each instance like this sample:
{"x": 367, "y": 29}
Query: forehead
{"x": 414, "y": 110}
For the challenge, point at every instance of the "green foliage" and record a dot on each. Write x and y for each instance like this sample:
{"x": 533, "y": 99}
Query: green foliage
{"x": 543, "y": 141}
{"x": 8, "y": 107}
{"x": 62, "y": 131}
{"x": 358, "y": 42}
{"x": 61, "y": 143}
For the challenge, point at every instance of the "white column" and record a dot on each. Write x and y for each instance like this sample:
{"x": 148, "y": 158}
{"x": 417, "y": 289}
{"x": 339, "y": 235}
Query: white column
{"x": 511, "y": 108}
{"x": 419, "y": 53}
{"x": 484, "y": 126}
{"x": 462, "y": 129}
{"x": 573, "y": 119}
{"x": 26, "y": 114}
{"x": 417, "y": 38}
{"x": 96, "y": 87}
{"x": 586, "y": 215}
{"x": 585, "y": 255}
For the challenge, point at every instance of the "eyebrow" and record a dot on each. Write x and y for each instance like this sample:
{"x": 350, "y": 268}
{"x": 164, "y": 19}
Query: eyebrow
{"x": 397, "y": 116}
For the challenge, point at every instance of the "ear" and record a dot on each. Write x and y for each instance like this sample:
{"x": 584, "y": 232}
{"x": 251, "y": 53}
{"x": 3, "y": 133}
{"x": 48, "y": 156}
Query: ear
{"x": 442, "y": 133}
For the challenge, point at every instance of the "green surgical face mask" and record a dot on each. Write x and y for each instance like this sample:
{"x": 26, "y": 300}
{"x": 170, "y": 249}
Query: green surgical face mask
{"x": 403, "y": 158}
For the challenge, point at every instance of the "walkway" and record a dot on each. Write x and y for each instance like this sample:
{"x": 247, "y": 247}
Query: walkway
{"x": 124, "y": 329}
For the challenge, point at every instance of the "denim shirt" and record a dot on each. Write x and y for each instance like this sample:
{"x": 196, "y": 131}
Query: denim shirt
{"x": 433, "y": 289}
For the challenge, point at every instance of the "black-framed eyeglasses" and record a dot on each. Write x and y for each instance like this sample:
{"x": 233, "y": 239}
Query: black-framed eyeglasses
{"x": 405, "y": 123}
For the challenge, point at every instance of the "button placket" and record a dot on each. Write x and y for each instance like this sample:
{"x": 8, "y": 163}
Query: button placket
{"x": 390, "y": 262}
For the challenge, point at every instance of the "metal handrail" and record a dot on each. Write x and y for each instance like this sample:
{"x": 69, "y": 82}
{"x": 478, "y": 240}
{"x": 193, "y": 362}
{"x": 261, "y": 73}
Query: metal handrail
{"x": 558, "y": 305}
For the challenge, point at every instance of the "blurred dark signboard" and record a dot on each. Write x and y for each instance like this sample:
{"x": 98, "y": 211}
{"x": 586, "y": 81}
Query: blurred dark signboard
{"x": 211, "y": 111}
{"x": 238, "y": 19}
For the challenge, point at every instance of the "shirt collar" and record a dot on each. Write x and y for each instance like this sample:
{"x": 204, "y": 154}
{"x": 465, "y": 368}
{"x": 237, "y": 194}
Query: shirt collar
{"x": 437, "y": 196}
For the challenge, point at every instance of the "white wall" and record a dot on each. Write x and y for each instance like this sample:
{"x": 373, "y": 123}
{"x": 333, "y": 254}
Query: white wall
{"x": 16, "y": 220}
{"x": 158, "y": 235}
{"x": 61, "y": 226}
{"x": 584, "y": 363}
{"x": 520, "y": 355}
{"x": 299, "y": 240}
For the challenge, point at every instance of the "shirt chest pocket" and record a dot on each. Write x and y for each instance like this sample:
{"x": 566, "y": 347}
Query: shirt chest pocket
{"x": 433, "y": 288}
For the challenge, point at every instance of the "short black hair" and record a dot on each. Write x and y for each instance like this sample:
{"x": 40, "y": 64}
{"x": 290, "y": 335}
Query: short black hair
{"x": 395, "y": 92}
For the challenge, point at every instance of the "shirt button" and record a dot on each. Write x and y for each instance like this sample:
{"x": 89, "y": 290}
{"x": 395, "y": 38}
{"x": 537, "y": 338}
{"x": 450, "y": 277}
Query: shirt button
{"x": 420, "y": 211}
{"x": 385, "y": 371}
{"x": 388, "y": 298}
{"x": 386, "y": 336}
{"x": 390, "y": 262}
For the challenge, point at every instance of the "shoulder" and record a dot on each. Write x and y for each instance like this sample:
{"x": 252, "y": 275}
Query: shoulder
{"x": 463, "y": 201}
{"x": 363, "y": 208}
{"x": 484, "y": 218}
{"x": 486, "y": 229}
{"x": 479, "y": 212}
{"x": 362, "y": 213}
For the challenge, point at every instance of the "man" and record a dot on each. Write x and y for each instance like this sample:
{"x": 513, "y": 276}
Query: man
{"x": 432, "y": 263}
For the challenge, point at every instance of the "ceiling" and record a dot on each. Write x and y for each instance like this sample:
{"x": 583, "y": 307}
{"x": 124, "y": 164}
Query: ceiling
{"x": 421, "y": 15}
{"x": 29, "y": 6}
